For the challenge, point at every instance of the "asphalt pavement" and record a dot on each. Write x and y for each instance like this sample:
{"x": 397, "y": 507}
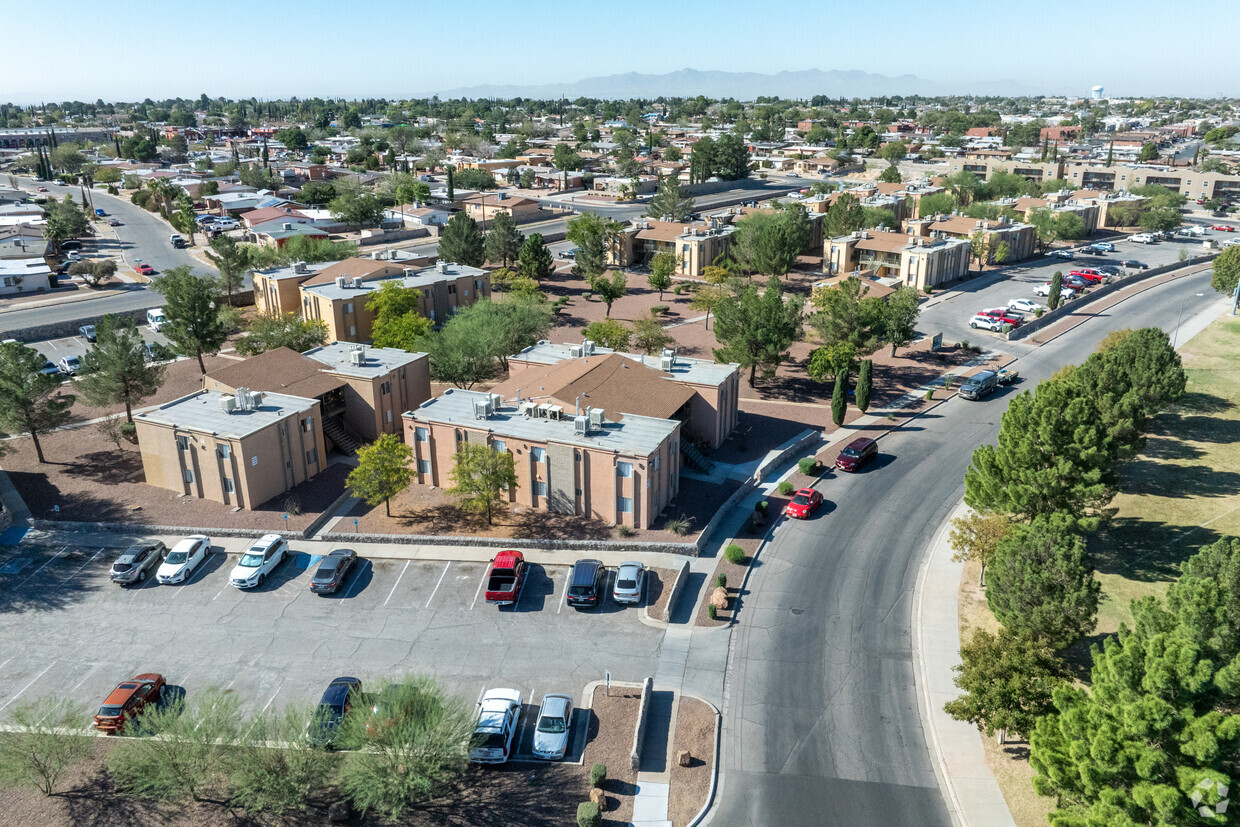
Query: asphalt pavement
{"x": 821, "y": 723}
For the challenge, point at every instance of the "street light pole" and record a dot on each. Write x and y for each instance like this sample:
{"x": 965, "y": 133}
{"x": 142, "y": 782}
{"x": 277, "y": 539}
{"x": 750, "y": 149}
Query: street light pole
{"x": 1176, "y": 334}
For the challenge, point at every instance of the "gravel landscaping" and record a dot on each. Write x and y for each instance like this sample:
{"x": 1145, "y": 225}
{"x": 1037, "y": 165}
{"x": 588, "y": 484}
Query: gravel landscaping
{"x": 736, "y": 576}
{"x": 695, "y": 732}
{"x": 610, "y": 742}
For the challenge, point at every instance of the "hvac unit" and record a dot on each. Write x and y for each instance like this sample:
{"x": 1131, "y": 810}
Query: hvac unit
{"x": 357, "y": 356}
{"x": 587, "y": 347}
{"x": 441, "y": 266}
{"x": 256, "y": 400}
{"x": 596, "y": 417}
{"x": 483, "y": 408}
{"x": 342, "y": 282}
{"x": 410, "y": 272}
{"x": 496, "y": 402}
{"x": 242, "y": 399}
{"x": 299, "y": 267}
{"x": 666, "y": 362}
{"x": 528, "y": 409}
{"x": 575, "y": 351}
{"x": 581, "y": 424}
{"x": 227, "y": 404}
{"x": 357, "y": 282}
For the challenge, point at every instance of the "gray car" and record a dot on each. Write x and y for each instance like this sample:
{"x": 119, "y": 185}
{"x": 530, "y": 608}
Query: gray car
{"x": 137, "y": 561}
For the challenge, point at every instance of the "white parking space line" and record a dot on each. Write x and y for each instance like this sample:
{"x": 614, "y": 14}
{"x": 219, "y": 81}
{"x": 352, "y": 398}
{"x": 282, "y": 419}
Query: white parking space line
{"x": 525, "y": 719}
{"x": 6, "y": 661}
{"x": 445, "y": 571}
{"x": 397, "y": 583}
{"x": 27, "y": 686}
{"x": 357, "y": 578}
{"x": 86, "y": 677}
{"x": 564, "y": 594}
{"x": 190, "y": 579}
{"x": 226, "y": 587}
{"x": 52, "y": 345}
{"x": 84, "y": 565}
{"x": 272, "y": 698}
{"x": 39, "y": 569}
{"x": 481, "y": 583}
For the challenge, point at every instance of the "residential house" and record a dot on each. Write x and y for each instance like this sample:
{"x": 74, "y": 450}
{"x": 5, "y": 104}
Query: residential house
{"x": 485, "y": 206}
{"x": 24, "y": 275}
{"x": 24, "y": 241}
{"x": 277, "y": 233}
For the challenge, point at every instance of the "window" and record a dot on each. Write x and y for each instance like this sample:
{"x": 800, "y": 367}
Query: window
{"x": 430, "y": 314}
{"x": 348, "y": 307}
{"x": 624, "y": 505}
{"x": 478, "y": 284}
{"x": 386, "y": 387}
{"x": 424, "y": 466}
{"x": 388, "y": 415}
{"x": 223, "y": 451}
{"x": 655, "y": 463}
{"x": 421, "y": 435}
{"x": 499, "y": 445}
{"x": 228, "y": 486}
{"x": 312, "y": 456}
{"x": 624, "y": 469}
{"x": 451, "y": 289}
{"x": 189, "y": 474}
{"x": 352, "y": 330}
{"x": 538, "y": 454}
{"x": 183, "y": 443}
{"x": 253, "y": 461}
{"x": 540, "y": 488}
{"x": 307, "y": 425}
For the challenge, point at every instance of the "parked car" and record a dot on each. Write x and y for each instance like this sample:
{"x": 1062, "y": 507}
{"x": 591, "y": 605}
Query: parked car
{"x": 1142, "y": 238}
{"x": 803, "y": 504}
{"x": 1110, "y": 271}
{"x": 1045, "y": 290}
{"x": 980, "y": 322}
{"x": 630, "y": 580}
{"x": 114, "y": 222}
{"x": 258, "y": 561}
{"x": 498, "y": 712}
{"x": 505, "y": 577}
{"x": 70, "y": 245}
{"x": 99, "y": 212}
{"x": 554, "y": 727}
{"x": 585, "y": 584}
{"x": 155, "y": 318}
{"x": 40, "y": 189}
{"x": 569, "y": 253}
{"x": 333, "y": 570}
{"x": 979, "y": 384}
{"x": 1085, "y": 277}
{"x": 69, "y": 365}
{"x": 337, "y": 701}
{"x": 1079, "y": 282}
{"x": 1025, "y": 306}
{"x": 176, "y": 240}
{"x": 137, "y": 561}
{"x": 72, "y": 256}
{"x": 206, "y": 218}
{"x": 1003, "y": 315}
{"x": 1101, "y": 247}
{"x": 184, "y": 559}
{"x": 226, "y": 223}
{"x": 1223, "y": 228}
{"x": 88, "y": 332}
{"x": 144, "y": 269}
{"x": 1134, "y": 265}
{"x": 127, "y": 701}
{"x": 1068, "y": 254}
{"x": 49, "y": 368}
{"x": 856, "y": 454}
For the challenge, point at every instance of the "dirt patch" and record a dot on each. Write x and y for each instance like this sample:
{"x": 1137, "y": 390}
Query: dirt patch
{"x": 86, "y": 478}
{"x": 735, "y": 575}
{"x": 658, "y": 590}
{"x": 695, "y": 732}
{"x": 610, "y": 742}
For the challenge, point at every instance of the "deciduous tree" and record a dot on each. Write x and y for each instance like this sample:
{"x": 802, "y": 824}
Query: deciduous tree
{"x": 976, "y": 536}
{"x": 899, "y": 317}
{"x": 662, "y": 266}
{"x": 1226, "y": 271}
{"x": 608, "y": 333}
{"x": 610, "y": 289}
{"x": 382, "y": 471}
{"x": 42, "y": 742}
{"x": 649, "y": 336}
{"x": 288, "y": 330}
{"x": 483, "y": 477}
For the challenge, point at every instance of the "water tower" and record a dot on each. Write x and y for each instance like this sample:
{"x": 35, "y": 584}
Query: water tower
{"x": 1096, "y": 93}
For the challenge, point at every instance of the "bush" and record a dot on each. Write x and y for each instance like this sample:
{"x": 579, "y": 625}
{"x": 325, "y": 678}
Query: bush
{"x": 598, "y": 775}
{"x": 588, "y": 815}
{"x": 763, "y": 507}
{"x": 129, "y": 431}
{"x": 947, "y": 382}
{"x": 679, "y": 289}
{"x": 711, "y": 611}
{"x": 807, "y": 465}
{"x": 679, "y": 525}
{"x": 41, "y": 743}
{"x": 659, "y": 310}
{"x": 721, "y": 581}
{"x": 929, "y": 394}
{"x": 625, "y": 530}
{"x": 964, "y": 345}
{"x": 786, "y": 487}
{"x": 734, "y": 554}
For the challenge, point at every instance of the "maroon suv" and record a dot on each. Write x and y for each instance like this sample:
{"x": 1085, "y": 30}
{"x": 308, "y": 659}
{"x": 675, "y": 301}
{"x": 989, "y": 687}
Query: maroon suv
{"x": 856, "y": 453}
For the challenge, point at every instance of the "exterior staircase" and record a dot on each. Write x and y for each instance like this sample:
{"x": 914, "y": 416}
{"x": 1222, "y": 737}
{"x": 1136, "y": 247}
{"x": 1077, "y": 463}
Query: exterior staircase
{"x": 696, "y": 458}
{"x": 334, "y": 431}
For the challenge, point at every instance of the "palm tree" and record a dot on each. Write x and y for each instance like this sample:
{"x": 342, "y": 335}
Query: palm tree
{"x": 165, "y": 191}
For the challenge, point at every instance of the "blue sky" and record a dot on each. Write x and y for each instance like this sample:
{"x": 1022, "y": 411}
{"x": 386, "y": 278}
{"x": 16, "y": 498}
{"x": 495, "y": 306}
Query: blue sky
{"x": 132, "y": 49}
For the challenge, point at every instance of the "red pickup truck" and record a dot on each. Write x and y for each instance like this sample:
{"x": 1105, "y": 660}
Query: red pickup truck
{"x": 505, "y": 577}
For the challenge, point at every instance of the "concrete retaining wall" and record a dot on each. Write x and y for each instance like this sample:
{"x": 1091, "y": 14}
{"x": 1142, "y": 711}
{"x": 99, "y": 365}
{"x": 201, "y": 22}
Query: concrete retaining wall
{"x": 1050, "y": 317}
{"x": 639, "y": 733}
{"x": 501, "y": 542}
{"x": 678, "y": 585}
{"x": 136, "y": 529}
{"x": 773, "y": 460}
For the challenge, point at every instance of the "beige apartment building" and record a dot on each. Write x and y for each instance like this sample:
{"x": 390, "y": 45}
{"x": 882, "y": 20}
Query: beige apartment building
{"x": 278, "y": 291}
{"x": 1194, "y": 185}
{"x": 238, "y": 449}
{"x": 918, "y": 261}
{"x": 696, "y": 244}
{"x": 583, "y": 463}
{"x": 701, "y": 394}
{"x": 1020, "y": 238}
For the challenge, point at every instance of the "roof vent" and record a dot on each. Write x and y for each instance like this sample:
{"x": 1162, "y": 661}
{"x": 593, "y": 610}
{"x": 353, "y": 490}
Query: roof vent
{"x": 441, "y": 266}
{"x": 342, "y": 282}
{"x": 587, "y": 348}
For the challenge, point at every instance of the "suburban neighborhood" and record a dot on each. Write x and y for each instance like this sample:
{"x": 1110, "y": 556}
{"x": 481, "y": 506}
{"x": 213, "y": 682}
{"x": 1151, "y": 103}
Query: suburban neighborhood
{"x": 652, "y": 449}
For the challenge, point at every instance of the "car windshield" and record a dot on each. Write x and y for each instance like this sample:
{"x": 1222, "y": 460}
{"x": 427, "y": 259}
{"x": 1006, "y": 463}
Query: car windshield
{"x": 177, "y": 557}
{"x": 552, "y": 725}
{"x": 581, "y": 590}
{"x": 849, "y": 452}
{"x": 251, "y": 560}
{"x": 122, "y": 566}
{"x": 494, "y": 740}
{"x": 109, "y": 711}
{"x": 626, "y": 585}
{"x": 800, "y": 499}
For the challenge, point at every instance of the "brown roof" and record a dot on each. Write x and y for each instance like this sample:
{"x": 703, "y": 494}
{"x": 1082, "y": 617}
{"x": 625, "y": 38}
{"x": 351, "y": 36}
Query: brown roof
{"x": 280, "y": 371}
{"x": 615, "y": 383}
{"x": 260, "y": 216}
{"x": 1026, "y": 204}
{"x": 888, "y": 189}
{"x": 883, "y": 242}
{"x": 351, "y": 267}
{"x": 493, "y": 200}
{"x": 666, "y": 230}
{"x": 957, "y": 224}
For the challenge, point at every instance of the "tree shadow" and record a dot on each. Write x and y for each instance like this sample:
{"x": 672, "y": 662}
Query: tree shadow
{"x": 1146, "y": 550}
{"x": 108, "y": 467}
{"x": 1077, "y": 657}
{"x": 26, "y": 586}
{"x": 1161, "y": 479}
{"x": 41, "y": 495}
{"x": 1204, "y": 403}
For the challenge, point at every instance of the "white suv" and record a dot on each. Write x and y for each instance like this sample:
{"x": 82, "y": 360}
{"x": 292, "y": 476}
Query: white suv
{"x": 258, "y": 561}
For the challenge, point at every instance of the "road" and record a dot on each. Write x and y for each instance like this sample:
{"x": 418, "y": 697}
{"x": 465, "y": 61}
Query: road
{"x": 821, "y": 719}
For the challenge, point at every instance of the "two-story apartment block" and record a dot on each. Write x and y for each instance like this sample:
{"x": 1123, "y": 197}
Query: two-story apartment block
{"x": 700, "y": 393}
{"x": 1020, "y": 238}
{"x": 932, "y": 260}
{"x": 1191, "y": 184}
{"x": 696, "y": 244}
{"x": 485, "y": 206}
{"x": 278, "y": 290}
{"x": 573, "y": 461}
{"x": 239, "y": 449}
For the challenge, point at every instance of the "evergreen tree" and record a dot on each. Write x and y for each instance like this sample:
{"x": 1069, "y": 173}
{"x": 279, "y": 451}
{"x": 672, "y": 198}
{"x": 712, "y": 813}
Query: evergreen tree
{"x": 1054, "y": 296}
{"x": 503, "y": 240}
{"x": 757, "y": 330}
{"x": 668, "y": 203}
{"x": 864, "y": 380}
{"x": 194, "y": 325}
{"x": 535, "y": 260}
{"x": 115, "y": 369}
{"x": 462, "y": 242}
{"x": 30, "y": 401}
{"x": 839, "y": 398}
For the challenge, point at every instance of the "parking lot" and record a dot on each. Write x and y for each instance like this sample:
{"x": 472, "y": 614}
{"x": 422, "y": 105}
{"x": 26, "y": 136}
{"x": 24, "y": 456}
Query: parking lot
{"x": 69, "y": 631}
{"x": 57, "y": 349}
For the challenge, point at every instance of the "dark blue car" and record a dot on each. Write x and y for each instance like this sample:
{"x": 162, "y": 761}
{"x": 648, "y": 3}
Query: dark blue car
{"x": 339, "y": 697}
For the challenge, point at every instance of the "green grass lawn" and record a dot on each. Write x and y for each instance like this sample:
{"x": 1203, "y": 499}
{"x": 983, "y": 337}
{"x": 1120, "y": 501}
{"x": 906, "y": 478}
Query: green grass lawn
{"x": 1183, "y": 491}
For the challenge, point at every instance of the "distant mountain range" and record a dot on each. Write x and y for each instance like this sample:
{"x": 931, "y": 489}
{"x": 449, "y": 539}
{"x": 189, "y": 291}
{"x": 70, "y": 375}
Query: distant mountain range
{"x": 741, "y": 85}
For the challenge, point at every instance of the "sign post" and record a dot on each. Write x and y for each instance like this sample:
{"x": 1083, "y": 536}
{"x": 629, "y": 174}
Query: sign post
{"x": 607, "y": 677}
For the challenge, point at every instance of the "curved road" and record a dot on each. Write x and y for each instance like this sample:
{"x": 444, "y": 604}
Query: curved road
{"x": 821, "y": 714}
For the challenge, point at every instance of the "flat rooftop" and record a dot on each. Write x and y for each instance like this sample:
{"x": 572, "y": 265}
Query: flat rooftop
{"x": 421, "y": 279}
{"x": 685, "y": 369}
{"x": 291, "y": 271}
{"x": 379, "y": 361}
{"x": 200, "y": 411}
{"x": 637, "y": 435}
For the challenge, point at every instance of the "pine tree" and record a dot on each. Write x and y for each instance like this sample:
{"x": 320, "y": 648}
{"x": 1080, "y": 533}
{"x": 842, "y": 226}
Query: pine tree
{"x": 115, "y": 370}
{"x": 839, "y": 398}
{"x": 864, "y": 379}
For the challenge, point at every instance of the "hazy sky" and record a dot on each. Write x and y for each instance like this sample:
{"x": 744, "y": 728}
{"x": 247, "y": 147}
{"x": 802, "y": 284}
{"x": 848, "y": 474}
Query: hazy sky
{"x": 133, "y": 49}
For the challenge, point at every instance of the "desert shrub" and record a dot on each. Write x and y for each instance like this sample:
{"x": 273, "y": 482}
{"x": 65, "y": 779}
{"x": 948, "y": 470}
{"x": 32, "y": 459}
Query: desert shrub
{"x": 711, "y": 611}
{"x": 588, "y": 815}
{"x": 786, "y": 487}
{"x": 624, "y": 530}
{"x": 734, "y": 554}
{"x": 721, "y": 580}
{"x": 807, "y": 465}
{"x": 598, "y": 775}
{"x": 680, "y": 525}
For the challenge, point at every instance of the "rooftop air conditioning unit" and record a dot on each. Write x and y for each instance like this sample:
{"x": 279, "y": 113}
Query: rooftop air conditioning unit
{"x": 299, "y": 267}
{"x": 587, "y": 347}
{"x": 288, "y": 225}
{"x": 357, "y": 356}
{"x": 409, "y": 272}
{"x": 256, "y": 400}
{"x": 574, "y": 351}
{"x": 581, "y": 425}
{"x": 242, "y": 399}
{"x": 596, "y": 417}
{"x": 441, "y": 266}
{"x": 227, "y": 404}
{"x": 528, "y": 409}
{"x": 666, "y": 362}
{"x": 483, "y": 408}
{"x": 496, "y": 401}
{"x": 342, "y": 282}
{"x": 357, "y": 282}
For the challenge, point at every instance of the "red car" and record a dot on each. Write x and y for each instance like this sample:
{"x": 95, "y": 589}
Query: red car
{"x": 1223, "y": 228}
{"x": 40, "y": 189}
{"x": 1091, "y": 276}
{"x": 1003, "y": 315}
{"x": 127, "y": 701}
{"x": 804, "y": 503}
{"x": 144, "y": 269}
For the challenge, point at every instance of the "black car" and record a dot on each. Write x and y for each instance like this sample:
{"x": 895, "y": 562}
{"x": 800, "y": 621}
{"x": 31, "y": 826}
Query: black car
{"x": 339, "y": 697}
{"x": 137, "y": 561}
{"x": 332, "y": 571}
{"x": 1134, "y": 265}
{"x": 585, "y": 584}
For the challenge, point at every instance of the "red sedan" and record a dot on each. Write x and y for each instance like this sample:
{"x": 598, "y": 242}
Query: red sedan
{"x": 127, "y": 701}
{"x": 1003, "y": 315}
{"x": 804, "y": 503}
{"x": 144, "y": 269}
{"x": 1223, "y": 228}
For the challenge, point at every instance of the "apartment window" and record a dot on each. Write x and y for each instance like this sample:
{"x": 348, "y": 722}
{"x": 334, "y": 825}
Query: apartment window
{"x": 183, "y": 443}
{"x": 307, "y": 425}
{"x": 538, "y": 454}
{"x": 624, "y": 469}
{"x": 424, "y": 466}
{"x": 386, "y": 387}
{"x": 540, "y": 488}
{"x": 348, "y": 307}
{"x": 477, "y": 284}
{"x": 352, "y": 330}
{"x": 624, "y": 505}
{"x": 388, "y": 412}
{"x": 654, "y": 466}
{"x": 312, "y": 456}
{"x": 451, "y": 289}
{"x": 189, "y": 474}
{"x": 430, "y": 314}
{"x": 421, "y": 435}
{"x": 228, "y": 486}
{"x": 499, "y": 445}
{"x": 223, "y": 451}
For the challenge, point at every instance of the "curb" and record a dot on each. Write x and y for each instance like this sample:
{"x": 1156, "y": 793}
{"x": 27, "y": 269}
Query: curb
{"x": 714, "y": 775}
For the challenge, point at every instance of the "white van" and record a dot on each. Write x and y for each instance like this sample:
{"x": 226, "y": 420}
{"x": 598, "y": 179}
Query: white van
{"x": 155, "y": 318}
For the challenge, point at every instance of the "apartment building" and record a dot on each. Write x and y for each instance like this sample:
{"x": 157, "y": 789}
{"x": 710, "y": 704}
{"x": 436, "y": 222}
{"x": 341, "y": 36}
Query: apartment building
{"x": 580, "y": 463}
{"x": 697, "y": 244}
{"x": 700, "y": 393}
{"x": 1020, "y": 238}
{"x": 340, "y": 301}
{"x": 1122, "y": 177}
{"x": 485, "y": 206}
{"x": 278, "y": 290}
{"x": 921, "y": 261}
{"x": 239, "y": 449}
